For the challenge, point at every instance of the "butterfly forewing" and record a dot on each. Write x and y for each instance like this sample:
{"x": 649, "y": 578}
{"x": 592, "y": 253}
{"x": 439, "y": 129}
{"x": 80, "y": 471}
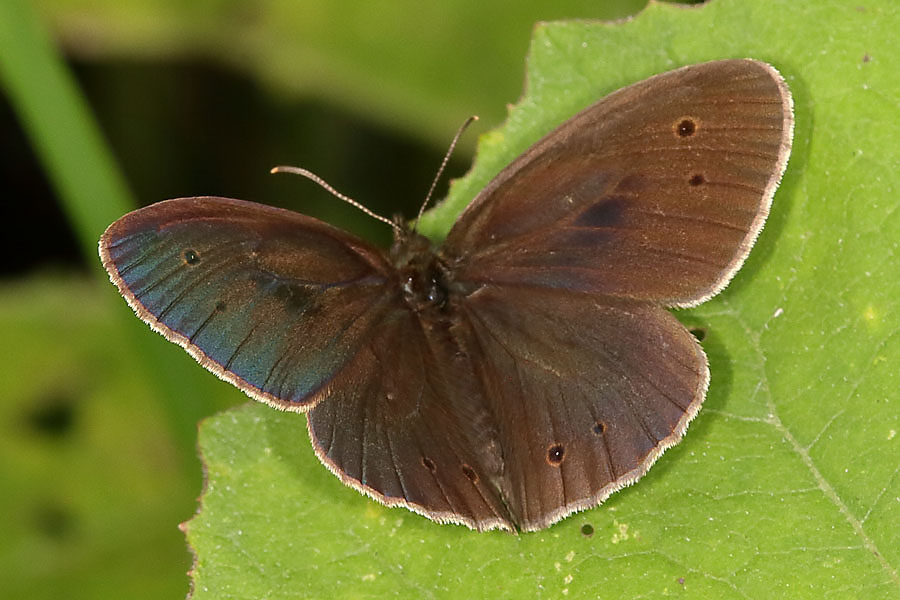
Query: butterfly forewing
{"x": 269, "y": 299}
{"x": 655, "y": 192}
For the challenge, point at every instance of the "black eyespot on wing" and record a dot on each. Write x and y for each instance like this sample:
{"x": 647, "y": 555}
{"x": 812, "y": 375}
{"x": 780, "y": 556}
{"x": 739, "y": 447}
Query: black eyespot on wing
{"x": 686, "y": 127}
{"x": 190, "y": 257}
{"x": 429, "y": 464}
{"x": 470, "y": 474}
{"x": 555, "y": 454}
{"x": 599, "y": 428}
{"x": 697, "y": 179}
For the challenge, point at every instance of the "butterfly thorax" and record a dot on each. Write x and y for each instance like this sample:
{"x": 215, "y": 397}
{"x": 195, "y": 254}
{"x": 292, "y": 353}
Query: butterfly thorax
{"x": 422, "y": 275}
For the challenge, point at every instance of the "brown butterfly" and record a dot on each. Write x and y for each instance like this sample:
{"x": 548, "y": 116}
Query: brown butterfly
{"x": 526, "y": 368}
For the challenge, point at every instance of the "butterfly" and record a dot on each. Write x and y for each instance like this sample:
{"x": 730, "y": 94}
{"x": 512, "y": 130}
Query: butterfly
{"x": 526, "y": 368}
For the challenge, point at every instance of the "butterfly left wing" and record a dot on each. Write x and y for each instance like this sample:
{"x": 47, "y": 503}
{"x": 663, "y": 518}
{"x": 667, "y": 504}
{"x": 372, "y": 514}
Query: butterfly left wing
{"x": 268, "y": 299}
{"x": 293, "y": 311}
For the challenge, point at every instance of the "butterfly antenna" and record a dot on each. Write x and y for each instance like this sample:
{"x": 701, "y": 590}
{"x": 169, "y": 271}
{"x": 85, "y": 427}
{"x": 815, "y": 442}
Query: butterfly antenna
{"x": 440, "y": 170}
{"x": 334, "y": 192}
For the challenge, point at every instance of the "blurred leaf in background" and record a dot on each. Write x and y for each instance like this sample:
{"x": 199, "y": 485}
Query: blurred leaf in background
{"x": 92, "y": 482}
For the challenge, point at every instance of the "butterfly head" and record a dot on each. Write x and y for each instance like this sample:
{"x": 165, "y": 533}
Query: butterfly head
{"x": 421, "y": 273}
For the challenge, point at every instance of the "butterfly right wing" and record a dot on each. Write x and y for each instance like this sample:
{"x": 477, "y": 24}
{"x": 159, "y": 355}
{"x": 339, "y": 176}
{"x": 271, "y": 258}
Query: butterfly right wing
{"x": 652, "y": 196}
{"x": 270, "y": 300}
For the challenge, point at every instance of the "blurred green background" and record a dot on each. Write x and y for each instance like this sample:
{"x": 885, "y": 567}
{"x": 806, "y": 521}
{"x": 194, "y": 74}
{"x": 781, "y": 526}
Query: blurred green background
{"x": 107, "y": 105}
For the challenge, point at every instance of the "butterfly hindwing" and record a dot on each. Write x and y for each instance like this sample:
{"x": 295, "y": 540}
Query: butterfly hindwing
{"x": 407, "y": 424}
{"x": 586, "y": 395}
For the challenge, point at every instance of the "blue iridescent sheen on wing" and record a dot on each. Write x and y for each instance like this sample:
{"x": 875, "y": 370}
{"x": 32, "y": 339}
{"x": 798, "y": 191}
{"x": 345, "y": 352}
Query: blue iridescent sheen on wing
{"x": 280, "y": 306}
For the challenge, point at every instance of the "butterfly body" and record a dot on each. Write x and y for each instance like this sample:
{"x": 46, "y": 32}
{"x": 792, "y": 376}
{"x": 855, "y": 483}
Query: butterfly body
{"x": 525, "y": 369}
{"x": 423, "y": 276}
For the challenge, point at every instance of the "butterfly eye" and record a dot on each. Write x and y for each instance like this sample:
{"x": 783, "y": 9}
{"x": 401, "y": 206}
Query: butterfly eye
{"x": 437, "y": 295}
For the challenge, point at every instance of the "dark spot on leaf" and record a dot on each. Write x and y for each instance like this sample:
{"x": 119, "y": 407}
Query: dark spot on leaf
{"x": 470, "y": 474}
{"x": 555, "y": 454}
{"x": 190, "y": 257}
{"x": 53, "y": 417}
{"x": 429, "y": 464}
{"x": 866, "y": 57}
{"x": 53, "y": 520}
{"x": 699, "y": 333}
{"x": 697, "y": 179}
{"x": 681, "y": 580}
{"x": 686, "y": 127}
{"x": 587, "y": 530}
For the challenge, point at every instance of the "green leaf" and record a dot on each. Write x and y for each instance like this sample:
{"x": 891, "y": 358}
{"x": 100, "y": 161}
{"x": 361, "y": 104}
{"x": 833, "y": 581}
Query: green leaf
{"x": 788, "y": 482}
{"x": 92, "y": 478}
{"x": 90, "y": 188}
{"x": 416, "y": 66}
